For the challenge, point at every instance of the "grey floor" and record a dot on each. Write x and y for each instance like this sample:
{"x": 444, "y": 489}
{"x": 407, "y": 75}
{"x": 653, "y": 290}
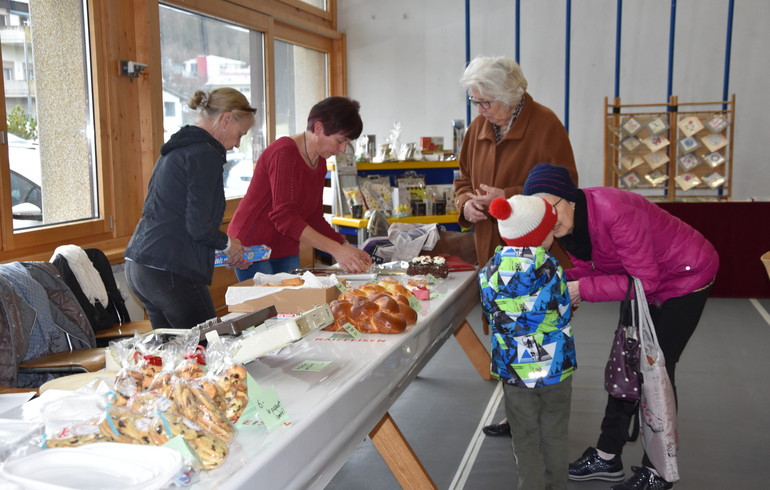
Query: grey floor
{"x": 724, "y": 405}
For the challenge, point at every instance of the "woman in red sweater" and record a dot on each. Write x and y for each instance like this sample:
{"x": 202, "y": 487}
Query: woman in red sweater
{"x": 284, "y": 203}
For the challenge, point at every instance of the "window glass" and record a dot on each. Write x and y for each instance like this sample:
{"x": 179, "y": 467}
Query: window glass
{"x": 301, "y": 80}
{"x": 199, "y": 52}
{"x": 50, "y": 125}
{"x": 321, "y": 4}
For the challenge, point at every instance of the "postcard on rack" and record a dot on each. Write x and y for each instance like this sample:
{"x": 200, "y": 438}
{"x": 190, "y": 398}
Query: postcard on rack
{"x": 687, "y": 181}
{"x": 656, "y": 159}
{"x": 714, "y": 141}
{"x": 631, "y": 161}
{"x": 655, "y": 142}
{"x": 690, "y": 125}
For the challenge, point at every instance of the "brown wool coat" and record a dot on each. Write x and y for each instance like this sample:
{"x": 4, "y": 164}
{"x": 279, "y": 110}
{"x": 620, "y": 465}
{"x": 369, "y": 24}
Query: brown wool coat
{"x": 536, "y": 136}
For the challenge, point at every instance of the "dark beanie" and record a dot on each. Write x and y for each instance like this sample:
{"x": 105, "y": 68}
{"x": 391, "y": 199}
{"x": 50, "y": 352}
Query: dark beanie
{"x": 550, "y": 179}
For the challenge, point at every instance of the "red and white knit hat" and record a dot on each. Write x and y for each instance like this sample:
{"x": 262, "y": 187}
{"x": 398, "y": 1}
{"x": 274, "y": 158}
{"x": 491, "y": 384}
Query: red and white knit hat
{"x": 523, "y": 221}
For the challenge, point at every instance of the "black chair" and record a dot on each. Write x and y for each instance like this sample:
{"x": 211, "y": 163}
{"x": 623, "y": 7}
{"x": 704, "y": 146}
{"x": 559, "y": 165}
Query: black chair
{"x": 113, "y": 321}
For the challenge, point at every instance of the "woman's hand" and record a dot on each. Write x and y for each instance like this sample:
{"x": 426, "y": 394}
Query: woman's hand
{"x": 474, "y": 211}
{"x": 352, "y": 259}
{"x": 234, "y": 252}
{"x": 574, "y": 293}
{"x": 487, "y": 194}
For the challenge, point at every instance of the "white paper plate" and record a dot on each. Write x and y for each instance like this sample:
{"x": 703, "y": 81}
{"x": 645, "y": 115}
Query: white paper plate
{"x": 101, "y": 466}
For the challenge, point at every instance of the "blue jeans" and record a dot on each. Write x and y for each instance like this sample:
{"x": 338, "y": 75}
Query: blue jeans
{"x": 272, "y": 266}
{"x": 171, "y": 300}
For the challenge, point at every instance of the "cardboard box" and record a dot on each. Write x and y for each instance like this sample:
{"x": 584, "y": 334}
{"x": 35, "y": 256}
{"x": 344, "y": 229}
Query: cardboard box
{"x": 288, "y": 300}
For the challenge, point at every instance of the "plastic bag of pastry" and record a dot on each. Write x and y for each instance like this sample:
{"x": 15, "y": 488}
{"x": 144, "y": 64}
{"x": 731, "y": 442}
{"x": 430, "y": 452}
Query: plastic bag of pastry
{"x": 120, "y": 424}
{"x": 71, "y": 418}
{"x": 134, "y": 368}
{"x": 226, "y": 380}
{"x": 193, "y": 403}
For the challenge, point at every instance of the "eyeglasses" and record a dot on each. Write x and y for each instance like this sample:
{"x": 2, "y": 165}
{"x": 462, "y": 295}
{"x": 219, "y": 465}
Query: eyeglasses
{"x": 484, "y": 104}
{"x": 557, "y": 203}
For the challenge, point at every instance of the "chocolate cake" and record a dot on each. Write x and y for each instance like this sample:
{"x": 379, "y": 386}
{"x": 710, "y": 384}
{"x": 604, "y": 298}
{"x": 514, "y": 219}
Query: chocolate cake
{"x": 424, "y": 265}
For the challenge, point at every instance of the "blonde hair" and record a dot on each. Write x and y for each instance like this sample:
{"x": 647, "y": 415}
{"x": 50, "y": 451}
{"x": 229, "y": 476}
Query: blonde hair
{"x": 499, "y": 79}
{"x": 221, "y": 100}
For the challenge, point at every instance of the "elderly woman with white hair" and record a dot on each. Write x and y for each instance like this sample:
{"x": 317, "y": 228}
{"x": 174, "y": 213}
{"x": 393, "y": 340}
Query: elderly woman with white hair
{"x": 511, "y": 134}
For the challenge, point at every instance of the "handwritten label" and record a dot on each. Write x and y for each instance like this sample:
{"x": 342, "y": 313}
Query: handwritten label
{"x": 351, "y": 330}
{"x": 271, "y": 409}
{"x": 311, "y": 366}
{"x": 415, "y": 304}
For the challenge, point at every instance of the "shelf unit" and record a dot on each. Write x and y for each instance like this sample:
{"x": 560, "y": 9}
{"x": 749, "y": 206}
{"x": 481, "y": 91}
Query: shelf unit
{"x": 436, "y": 173}
{"x": 672, "y": 152}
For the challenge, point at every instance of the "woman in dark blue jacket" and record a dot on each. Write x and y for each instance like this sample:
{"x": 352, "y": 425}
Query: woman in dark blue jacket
{"x": 170, "y": 258}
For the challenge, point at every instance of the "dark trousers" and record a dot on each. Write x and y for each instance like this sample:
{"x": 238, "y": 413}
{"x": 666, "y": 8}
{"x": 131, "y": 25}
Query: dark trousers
{"x": 539, "y": 419}
{"x": 674, "y": 321}
{"x": 171, "y": 301}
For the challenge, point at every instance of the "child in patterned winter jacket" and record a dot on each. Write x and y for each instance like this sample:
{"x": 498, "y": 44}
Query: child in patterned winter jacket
{"x": 524, "y": 295}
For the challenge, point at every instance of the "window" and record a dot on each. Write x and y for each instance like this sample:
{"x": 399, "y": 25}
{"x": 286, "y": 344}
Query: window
{"x": 199, "y": 52}
{"x": 321, "y": 4}
{"x": 169, "y": 109}
{"x": 51, "y": 160}
{"x": 301, "y": 80}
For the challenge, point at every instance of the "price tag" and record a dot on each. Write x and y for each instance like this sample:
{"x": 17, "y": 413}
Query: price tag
{"x": 271, "y": 409}
{"x": 311, "y": 365}
{"x": 431, "y": 279}
{"x": 352, "y": 330}
{"x": 415, "y": 304}
{"x": 342, "y": 287}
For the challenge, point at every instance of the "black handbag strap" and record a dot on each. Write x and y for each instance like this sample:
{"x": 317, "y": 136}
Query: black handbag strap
{"x": 626, "y": 309}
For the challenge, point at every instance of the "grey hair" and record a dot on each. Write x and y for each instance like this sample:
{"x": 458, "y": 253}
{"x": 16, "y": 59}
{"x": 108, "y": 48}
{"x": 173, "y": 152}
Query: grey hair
{"x": 499, "y": 79}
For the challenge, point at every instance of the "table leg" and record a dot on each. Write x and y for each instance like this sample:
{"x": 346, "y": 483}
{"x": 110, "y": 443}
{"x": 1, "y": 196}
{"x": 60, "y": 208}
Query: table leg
{"x": 474, "y": 349}
{"x": 399, "y": 456}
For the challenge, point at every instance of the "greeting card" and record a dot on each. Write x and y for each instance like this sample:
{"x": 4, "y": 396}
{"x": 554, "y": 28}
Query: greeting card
{"x": 656, "y": 159}
{"x": 689, "y": 144}
{"x": 632, "y": 126}
{"x": 631, "y": 161}
{"x": 716, "y": 123}
{"x": 714, "y": 180}
{"x": 690, "y": 125}
{"x": 657, "y": 125}
{"x": 655, "y": 142}
{"x": 656, "y": 178}
{"x": 630, "y": 143}
{"x": 687, "y": 181}
{"x": 688, "y": 162}
{"x": 714, "y": 141}
{"x": 631, "y": 180}
{"x": 714, "y": 159}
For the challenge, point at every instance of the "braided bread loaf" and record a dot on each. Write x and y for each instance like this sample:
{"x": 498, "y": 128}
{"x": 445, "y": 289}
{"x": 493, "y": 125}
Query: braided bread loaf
{"x": 373, "y": 309}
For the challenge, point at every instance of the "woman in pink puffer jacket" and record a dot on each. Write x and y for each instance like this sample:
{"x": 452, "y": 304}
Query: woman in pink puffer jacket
{"x": 611, "y": 234}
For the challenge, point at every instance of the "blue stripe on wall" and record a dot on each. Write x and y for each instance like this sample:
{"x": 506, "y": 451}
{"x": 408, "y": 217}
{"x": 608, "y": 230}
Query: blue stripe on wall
{"x": 568, "y": 48}
{"x": 728, "y": 49}
{"x": 671, "y": 35}
{"x": 618, "y": 32}
{"x": 467, "y": 55}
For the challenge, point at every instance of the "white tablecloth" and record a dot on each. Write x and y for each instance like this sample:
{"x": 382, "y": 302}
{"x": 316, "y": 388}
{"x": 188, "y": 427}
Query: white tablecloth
{"x": 334, "y": 409}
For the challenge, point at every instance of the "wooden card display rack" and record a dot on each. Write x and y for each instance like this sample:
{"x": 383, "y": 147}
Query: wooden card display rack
{"x": 672, "y": 152}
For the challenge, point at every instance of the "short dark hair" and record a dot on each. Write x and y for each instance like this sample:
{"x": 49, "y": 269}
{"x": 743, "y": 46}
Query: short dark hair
{"x": 338, "y": 115}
